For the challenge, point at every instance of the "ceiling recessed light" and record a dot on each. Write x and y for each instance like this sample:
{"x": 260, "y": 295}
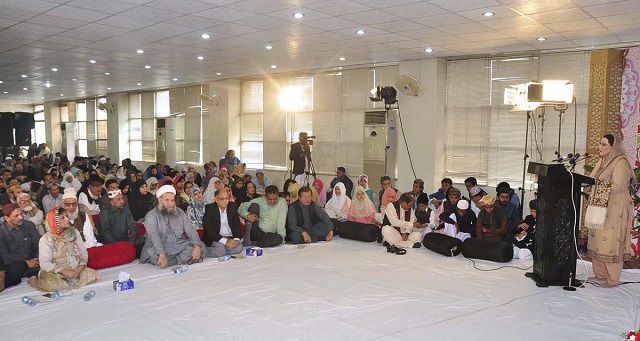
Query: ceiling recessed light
{"x": 428, "y": 50}
{"x": 218, "y": 73}
{"x": 175, "y": 79}
{"x": 140, "y": 51}
{"x": 24, "y": 76}
{"x": 488, "y": 14}
{"x": 108, "y": 88}
{"x": 273, "y": 66}
{"x": 339, "y": 67}
{"x": 298, "y": 15}
{"x": 54, "y": 69}
{"x": 92, "y": 61}
{"x": 25, "y": 89}
{"x": 1, "y": 82}
{"x": 107, "y": 73}
{"x": 200, "y": 57}
{"x": 360, "y": 32}
{"x": 61, "y": 95}
{"x": 47, "y": 84}
{"x": 74, "y": 79}
{"x": 82, "y": 92}
{"x": 342, "y": 58}
{"x": 147, "y": 66}
{"x": 541, "y": 39}
{"x": 139, "y": 83}
{"x": 5, "y": 92}
{"x": 41, "y": 96}
{"x": 268, "y": 47}
{"x": 205, "y": 36}
{"x": 25, "y": 100}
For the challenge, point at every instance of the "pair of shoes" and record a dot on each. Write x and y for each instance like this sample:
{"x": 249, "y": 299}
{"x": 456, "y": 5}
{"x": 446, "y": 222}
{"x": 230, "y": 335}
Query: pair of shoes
{"x": 396, "y": 250}
{"x": 417, "y": 245}
{"x": 193, "y": 261}
{"x": 386, "y": 244}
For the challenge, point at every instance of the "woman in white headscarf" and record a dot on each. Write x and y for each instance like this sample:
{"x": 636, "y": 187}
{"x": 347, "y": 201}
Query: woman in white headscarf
{"x": 338, "y": 206}
{"x": 70, "y": 181}
{"x": 210, "y": 193}
{"x": 152, "y": 185}
{"x": 363, "y": 181}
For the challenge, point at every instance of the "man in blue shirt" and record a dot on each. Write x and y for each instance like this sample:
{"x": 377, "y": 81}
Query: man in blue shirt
{"x": 511, "y": 209}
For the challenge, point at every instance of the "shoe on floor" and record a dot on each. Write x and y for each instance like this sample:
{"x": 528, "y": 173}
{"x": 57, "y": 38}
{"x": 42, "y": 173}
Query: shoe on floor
{"x": 417, "y": 245}
{"x": 385, "y": 243}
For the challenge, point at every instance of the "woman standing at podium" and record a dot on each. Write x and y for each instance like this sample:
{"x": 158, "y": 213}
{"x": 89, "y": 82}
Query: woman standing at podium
{"x": 610, "y": 212}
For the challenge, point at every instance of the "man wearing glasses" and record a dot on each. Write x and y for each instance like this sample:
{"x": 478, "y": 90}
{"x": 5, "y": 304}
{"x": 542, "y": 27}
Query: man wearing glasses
{"x": 80, "y": 217}
{"x": 221, "y": 226}
{"x": 30, "y": 212}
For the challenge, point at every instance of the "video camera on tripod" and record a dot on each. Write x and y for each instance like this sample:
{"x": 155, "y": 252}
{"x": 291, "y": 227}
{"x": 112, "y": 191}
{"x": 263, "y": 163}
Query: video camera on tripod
{"x": 306, "y": 140}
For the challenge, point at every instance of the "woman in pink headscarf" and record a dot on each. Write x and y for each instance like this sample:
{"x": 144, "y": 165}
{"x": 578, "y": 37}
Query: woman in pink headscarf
{"x": 319, "y": 186}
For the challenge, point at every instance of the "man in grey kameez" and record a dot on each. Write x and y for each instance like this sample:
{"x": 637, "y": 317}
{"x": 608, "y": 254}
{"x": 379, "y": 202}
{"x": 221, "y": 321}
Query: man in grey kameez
{"x": 166, "y": 243}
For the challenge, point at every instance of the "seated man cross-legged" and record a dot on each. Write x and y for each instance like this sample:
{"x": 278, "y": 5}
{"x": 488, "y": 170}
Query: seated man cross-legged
{"x": 308, "y": 223}
{"x": 171, "y": 237}
{"x": 400, "y": 222}
{"x": 221, "y": 226}
{"x": 265, "y": 218}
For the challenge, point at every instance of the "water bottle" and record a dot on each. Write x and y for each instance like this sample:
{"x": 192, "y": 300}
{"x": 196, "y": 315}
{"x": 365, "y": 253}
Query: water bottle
{"x": 29, "y": 301}
{"x": 181, "y": 269}
{"x": 60, "y": 294}
{"x": 224, "y": 258}
{"x": 88, "y": 296}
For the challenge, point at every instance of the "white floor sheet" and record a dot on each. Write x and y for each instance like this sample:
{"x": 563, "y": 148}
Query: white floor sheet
{"x": 342, "y": 290}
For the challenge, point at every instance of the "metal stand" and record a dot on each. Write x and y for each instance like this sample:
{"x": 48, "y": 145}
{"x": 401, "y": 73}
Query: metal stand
{"x": 524, "y": 163}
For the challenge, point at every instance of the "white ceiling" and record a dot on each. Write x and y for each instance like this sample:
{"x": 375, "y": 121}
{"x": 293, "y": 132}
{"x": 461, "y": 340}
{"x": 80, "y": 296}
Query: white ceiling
{"x": 38, "y": 35}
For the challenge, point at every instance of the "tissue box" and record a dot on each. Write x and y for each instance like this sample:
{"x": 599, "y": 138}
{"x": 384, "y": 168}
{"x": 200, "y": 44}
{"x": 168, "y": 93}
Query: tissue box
{"x": 122, "y": 286}
{"x": 254, "y": 252}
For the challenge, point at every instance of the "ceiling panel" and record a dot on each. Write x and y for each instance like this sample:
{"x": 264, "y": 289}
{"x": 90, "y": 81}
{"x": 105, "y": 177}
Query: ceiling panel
{"x": 37, "y": 35}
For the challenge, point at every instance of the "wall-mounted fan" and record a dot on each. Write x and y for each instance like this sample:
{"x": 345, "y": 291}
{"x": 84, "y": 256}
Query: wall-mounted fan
{"x": 211, "y": 99}
{"x": 408, "y": 85}
{"x": 105, "y": 107}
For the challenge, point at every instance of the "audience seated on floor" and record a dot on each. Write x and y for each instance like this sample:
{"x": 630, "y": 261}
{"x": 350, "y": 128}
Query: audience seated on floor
{"x": 399, "y": 227}
{"x": 385, "y": 182}
{"x": 80, "y": 218}
{"x": 425, "y": 215}
{"x": 195, "y": 210}
{"x": 308, "y": 223}
{"x": 461, "y": 223}
{"x": 19, "y": 247}
{"x": 221, "y": 226}
{"x": 338, "y": 206}
{"x": 30, "y": 212}
{"x": 63, "y": 257}
{"x": 265, "y": 219}
{"x": 361, "y": 209}
{"x": 510, "y": 209}
{"x": 492, "y": 221}
{"x": 438, "y": 197}
{"x": 117, "y": 223}
{"x": 171, "y": 238}
{"x": 341, "y": 176}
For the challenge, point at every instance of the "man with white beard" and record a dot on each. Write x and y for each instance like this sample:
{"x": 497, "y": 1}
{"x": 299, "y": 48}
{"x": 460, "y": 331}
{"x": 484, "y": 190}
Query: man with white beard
{"x": 30, "y": 212}
{"x": 80, "y": 217}
{"x": 171, "y": 238}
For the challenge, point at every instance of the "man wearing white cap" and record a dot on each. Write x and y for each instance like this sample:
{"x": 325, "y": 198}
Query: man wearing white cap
{"x": 30, "y": 212}
{"x": 80, "y": 217}
{"x": 116, "y": 222}
{"x": 171, "y": 238}
{"x": 461, "y": 223}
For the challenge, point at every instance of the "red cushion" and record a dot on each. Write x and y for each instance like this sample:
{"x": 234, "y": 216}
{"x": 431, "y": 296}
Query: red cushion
{"x": 109, "y": 255}
{"x": 200, "y": 232}
{"x": 141, "y": 229}
{"x": 242, "y": 227}
{"x": 96, "y": 219}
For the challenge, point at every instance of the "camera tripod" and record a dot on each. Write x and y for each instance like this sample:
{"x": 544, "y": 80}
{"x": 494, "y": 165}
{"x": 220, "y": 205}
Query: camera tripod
{"x": 309, "y": 168}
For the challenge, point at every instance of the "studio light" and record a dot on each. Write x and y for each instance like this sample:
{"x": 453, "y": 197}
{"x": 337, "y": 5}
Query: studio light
{"x": 388, "y": 94}
{"x": 291, "y": 99}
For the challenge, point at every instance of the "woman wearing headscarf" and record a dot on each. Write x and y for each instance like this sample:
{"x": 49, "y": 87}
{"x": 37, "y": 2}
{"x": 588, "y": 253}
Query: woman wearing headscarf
{"x": 261, "y": 181}
{"x": 224, "y": 176}
{"x": 338, "y": 206}
{"x": 610, "y": 212}
{"x": 363, "y": 181}
{"x": 141, "y": 201}
{"x": 152, "y": 185}
{"x": 185, "y": 194}
{"x": 209, "y": 195}
{"x": 292, "y": 191}
{"x": 285, "y": 187}
{"x": 195, "y": 211}
{"x": 319, "y": 186}
{"x": 390, "y": 195}
{"x": 125, "y": 187}
{"x": 153, "y": 171}
{"x": 239, "y": 171}
{"x": 70, "y": 181}
{"x": 361, "y": 209}
{"x": 63, "y": 256}
{"x": 239, "y": 191}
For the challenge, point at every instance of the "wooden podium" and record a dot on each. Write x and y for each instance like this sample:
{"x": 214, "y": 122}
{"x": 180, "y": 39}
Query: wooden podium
{"x": 559, "y": 202}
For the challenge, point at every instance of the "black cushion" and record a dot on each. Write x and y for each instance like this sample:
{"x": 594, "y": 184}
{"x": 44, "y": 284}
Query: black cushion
{"x": 358, "y": 231}
{"x": 442, "y": 244}
{"x": 493, "y": 250}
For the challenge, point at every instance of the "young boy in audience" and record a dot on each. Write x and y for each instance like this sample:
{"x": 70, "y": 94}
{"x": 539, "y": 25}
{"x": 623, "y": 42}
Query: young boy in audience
{"x": 524, "y": 236}
{"x": 425, "y": 215}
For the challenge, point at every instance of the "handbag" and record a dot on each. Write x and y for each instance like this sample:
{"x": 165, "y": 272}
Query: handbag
{"x": 597, "y": 209}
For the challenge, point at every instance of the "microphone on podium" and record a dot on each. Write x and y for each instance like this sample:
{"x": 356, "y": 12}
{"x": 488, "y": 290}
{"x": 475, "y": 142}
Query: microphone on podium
{"x": 563, "y": 158}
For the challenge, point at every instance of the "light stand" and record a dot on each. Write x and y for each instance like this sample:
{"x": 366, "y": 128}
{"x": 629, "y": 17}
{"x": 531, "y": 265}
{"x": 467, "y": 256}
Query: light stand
{"x": 524, "y": 163}
{"x": 561, "y": 109}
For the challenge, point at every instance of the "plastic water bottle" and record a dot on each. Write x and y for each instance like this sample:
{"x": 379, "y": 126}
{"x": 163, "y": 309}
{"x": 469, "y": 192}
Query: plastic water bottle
{"x": 224, "y": 258}
{"x": 29, "y": 301}
{"x": 60, "y": 294}
{"x": 88, "y": 296}
{"x": 181, "y": 269}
